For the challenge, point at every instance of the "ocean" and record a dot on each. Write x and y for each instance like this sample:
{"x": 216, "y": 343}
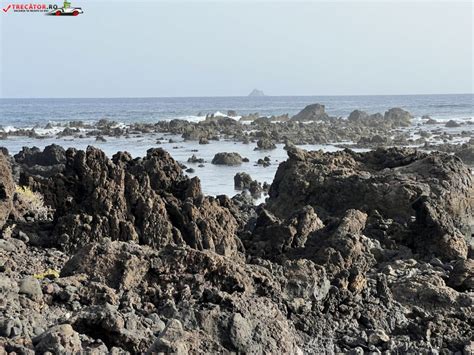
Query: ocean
{"x": 28, "y": 113}
{"x": 32, "y": 112}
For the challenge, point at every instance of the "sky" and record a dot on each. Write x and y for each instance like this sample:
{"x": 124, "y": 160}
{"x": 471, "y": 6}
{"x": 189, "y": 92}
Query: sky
{"x": 227, "y": 48}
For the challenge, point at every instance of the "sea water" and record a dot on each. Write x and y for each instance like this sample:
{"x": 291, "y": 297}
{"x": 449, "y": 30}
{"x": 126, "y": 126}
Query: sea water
{"x": 215, "y": 180}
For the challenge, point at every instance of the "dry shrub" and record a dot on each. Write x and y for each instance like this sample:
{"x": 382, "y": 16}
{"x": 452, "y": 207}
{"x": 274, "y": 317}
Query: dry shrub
{"x": 30, "y": 204}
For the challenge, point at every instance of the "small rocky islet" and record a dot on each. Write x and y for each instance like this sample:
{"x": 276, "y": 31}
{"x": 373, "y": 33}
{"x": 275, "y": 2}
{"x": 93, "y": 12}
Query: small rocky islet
{"x": 352, "y": 252}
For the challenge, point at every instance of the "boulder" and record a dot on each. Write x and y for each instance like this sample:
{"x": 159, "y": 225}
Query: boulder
{"x": 315, "y": 112}
{"x": 398, "y": 117}
{"x": 242, "y": 181}
{"x": 31, "y": 287}
{"x": 400, "y": 184}
{"x": 265, "y": 144}
{"x": 452, "y": 124}
{"x": 357, "y": 116}
{"x": 227, "y": 159}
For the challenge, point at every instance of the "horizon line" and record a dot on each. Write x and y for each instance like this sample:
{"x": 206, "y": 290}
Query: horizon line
{"x": 222, "y": 96}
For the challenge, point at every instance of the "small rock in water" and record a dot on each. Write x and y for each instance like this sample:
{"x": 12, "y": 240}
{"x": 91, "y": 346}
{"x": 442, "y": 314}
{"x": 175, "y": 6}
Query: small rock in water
{"x": 452, "y": 124}
{"x": 227, "y": 159}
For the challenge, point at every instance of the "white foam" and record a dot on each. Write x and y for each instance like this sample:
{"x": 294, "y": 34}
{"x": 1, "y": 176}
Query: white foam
{"x": 8, "y": 129}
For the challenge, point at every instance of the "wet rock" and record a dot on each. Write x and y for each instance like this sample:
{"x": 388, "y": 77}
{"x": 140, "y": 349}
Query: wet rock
{"x": 227, "y": 159}
{"x": 265, "y": 144}
{"x": 452, "y": 124}
{"x": 242, "y": 181}
{"x": 194, "y": 159}
{"x": 263, "y": 162}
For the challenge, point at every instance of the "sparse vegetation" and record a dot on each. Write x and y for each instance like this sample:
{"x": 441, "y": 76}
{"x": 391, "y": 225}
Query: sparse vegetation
{"x": 29, "y": 203}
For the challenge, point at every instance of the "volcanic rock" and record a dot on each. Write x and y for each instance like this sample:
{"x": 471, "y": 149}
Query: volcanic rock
{"x": 400, "y": 184}
{"x": 227, "y": 159}
{"x": 7, "y": 189}
{"x": 315, "y": 112}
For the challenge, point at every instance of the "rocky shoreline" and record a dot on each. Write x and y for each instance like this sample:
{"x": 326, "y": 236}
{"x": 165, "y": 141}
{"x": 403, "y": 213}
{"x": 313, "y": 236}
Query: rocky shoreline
{"x": 351, "y": 253}
{"x": 310, "y": 126}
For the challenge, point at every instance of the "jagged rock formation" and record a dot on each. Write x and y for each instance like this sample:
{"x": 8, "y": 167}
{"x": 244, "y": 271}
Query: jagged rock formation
{"x": 433, "y": 195}
{"x": 147, "y": 201}
{"x": 353, "y": 253}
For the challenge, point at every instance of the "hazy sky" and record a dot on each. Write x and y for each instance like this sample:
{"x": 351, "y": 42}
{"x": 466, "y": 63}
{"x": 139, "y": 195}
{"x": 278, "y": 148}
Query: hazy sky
{"x": 227, "y": 48}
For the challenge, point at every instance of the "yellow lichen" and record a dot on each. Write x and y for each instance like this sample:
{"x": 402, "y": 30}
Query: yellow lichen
{"x": 50, "y": 274}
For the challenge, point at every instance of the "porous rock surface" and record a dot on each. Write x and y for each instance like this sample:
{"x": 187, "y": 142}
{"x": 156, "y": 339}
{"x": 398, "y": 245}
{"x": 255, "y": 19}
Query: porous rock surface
{"x": 146, "y": 263}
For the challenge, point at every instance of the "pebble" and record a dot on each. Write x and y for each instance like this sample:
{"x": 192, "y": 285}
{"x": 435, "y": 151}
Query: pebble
{"x": 49, "y": 289}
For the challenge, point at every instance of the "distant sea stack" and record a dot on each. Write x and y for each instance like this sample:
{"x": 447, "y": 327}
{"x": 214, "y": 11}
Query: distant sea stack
{"x": 256, "y": 92}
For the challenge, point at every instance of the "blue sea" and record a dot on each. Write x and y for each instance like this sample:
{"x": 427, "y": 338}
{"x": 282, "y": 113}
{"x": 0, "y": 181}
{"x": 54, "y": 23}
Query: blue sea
{"x": 38, "y": 112}
{"x": 215, "y": 180}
